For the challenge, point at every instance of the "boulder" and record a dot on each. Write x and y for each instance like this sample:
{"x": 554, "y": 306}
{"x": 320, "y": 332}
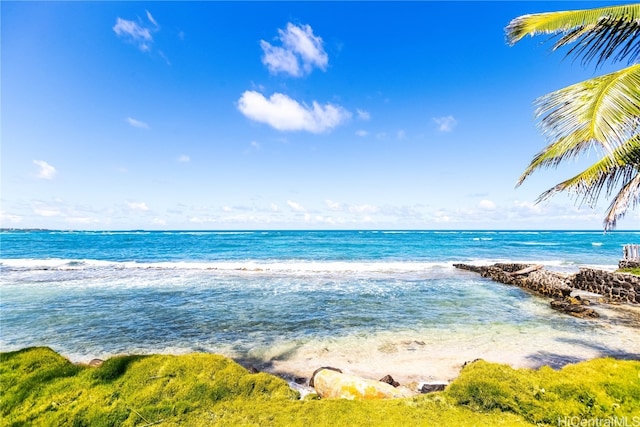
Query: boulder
{"x": 575, "y": 307}
{"x": 94, "y": 363}
{"x": 389, "y": 380}
{"x": 313, "y": 376}
{"x": 330, "y": 384}
{"x": 432, "y": 387}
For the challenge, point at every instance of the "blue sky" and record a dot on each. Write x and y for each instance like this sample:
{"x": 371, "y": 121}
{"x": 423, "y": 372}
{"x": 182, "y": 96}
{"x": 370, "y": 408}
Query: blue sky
{"x": 277, "y": 115}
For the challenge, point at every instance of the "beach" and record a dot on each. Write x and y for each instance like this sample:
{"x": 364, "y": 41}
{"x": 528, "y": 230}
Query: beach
{"x": 371, "y": 303}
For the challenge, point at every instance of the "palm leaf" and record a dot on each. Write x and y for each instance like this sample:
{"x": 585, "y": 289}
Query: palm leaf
{"x": 608, "y": 171}
{"x": 599, "y": 112}
{"x": 604, "y": 109}
{"x": 603, "y": 112}
{"x": 609, "y": 38}
{"x": 598, "y": 33}
{"x": 563, "y": 149}
{"x": 627, "y": 197}
{"x": 623, "y": 166}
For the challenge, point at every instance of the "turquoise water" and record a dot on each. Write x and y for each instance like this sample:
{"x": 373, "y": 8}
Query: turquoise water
{"x": 281, "y": 295}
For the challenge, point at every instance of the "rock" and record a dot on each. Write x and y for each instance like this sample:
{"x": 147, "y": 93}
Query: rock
{"x": 94, "y": 363}
{"x": 432, "y": 387}
{"x": 527, "y": 276}
{"x": 469, "y": 362}
{"x": 629, "y": 264}
{"x": 574, "y": 307}
{"x": 299, "y": 380}
{"x": 312, "y": 379}
{"x": 389, "y": 380}
{"x": 615, "y": 286}
{"x": 330, "y": 384}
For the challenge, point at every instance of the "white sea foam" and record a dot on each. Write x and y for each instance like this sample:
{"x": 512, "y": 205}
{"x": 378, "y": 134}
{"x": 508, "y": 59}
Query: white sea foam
{"x": 546, "y": 262}
{"x": 249, "y": 266}
{"x": 53, "y": 264}
{"x": 276, "y": 268}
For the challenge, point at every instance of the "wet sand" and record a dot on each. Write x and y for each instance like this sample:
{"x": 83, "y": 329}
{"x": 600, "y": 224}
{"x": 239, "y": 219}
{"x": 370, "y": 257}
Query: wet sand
{"x": 428, "y": 356}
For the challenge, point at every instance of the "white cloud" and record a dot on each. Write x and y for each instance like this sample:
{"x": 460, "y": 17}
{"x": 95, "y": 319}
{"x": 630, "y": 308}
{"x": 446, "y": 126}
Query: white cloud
{"x": 527, "y": 208}
{"x": 274, "y": 207}
{"x": 278, "y": 59}
{"x": 334, "y": 206}
{"x": 47, "y": 212}
{"x": 200, "y": 220}
{"x": 158, "y": 221}
{"x": 134, "y": 33}
{"x": 255, "y": 144}
{"x": 445, "y": 124}
{"x": 401, "y": 134}
{"x": 363, "y": 115}
{"x": 441, "y": 217}
{"x": 232, "y": 219}
{"x": 138, "y": 206}
{"x": 184, "y": 158}
{"x": 150, "y": 18}
{"x": 81, "y": 220}
{"x": 319, "y": 219}
{"x": 286, "y": 114}
{"x": 5, "y": 217}
{"x": 46, "y": 170}
{"x": 363, "y": 209}
{"x": 362, "y": 133}
{"x": 487, "y": 205}
{"x": 296, "y": 206}
{"x": 301, "y": 51}
{"x": 163, "y": 56}
{"x": 137, "y": 123}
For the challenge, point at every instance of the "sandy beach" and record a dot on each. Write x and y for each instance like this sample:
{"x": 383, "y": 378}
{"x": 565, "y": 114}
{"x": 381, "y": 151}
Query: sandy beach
{"x": 409, "y": 357}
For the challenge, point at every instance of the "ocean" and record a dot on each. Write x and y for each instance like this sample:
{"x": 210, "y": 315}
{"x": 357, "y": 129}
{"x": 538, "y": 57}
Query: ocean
{"x": 372, "y": 302}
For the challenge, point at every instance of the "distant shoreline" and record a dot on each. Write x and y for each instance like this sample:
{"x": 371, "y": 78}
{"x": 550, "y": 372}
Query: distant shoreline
{"x": 479, "y": 230}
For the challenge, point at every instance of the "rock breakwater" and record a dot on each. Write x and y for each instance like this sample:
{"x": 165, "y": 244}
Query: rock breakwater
{"x": 527, "y": 276}
{"x": 622, "y": 287}
{"x": 615, "y": 287}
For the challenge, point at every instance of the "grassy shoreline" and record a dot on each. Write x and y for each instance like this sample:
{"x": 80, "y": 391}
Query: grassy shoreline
{"x": 40, "y": 387}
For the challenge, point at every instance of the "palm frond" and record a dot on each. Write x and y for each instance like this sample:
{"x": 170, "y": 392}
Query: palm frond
{"x": 607, "y": 173}
{"x": 627, "y": 197}
{"x": 604, "y": 109}
{"x": 565, "y": 148}
{"x": 609, "y": 38}
{"x": 603, "y": 112}
{"x": 598, "y": 33}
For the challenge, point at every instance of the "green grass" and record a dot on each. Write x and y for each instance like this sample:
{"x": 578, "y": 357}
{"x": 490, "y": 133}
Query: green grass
{"x": 635, "y": 270}
{"x": 41, "y": 388}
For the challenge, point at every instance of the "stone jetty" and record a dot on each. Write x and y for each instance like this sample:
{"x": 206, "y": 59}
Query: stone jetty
{"x": 614, "y": 287}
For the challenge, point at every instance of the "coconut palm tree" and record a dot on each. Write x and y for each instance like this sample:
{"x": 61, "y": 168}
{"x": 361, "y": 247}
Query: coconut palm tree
{"x": 603, "y": 112}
